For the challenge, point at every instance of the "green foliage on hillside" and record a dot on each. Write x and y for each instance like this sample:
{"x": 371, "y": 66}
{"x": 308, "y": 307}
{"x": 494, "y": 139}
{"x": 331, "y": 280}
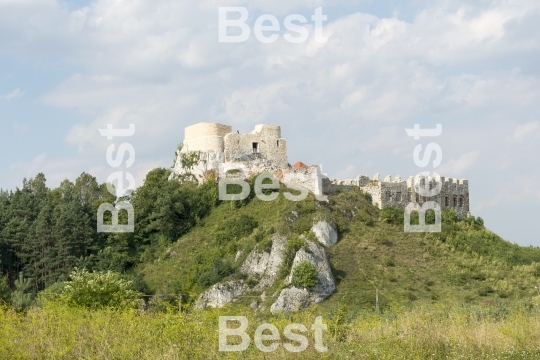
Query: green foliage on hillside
{"x": 186, "y": 240}
{"x": 46, "y": 233}
{"x": 465, "y": 261}
{"x": 94, "y": 290}
{"x": 304, "y": 275}
{"x": 453, "y": 294}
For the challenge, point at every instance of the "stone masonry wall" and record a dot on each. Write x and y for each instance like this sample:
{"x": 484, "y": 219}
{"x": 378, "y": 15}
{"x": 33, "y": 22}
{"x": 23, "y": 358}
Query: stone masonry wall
{"x": 206, "y": 129}
{"x": 454, "y": 193}
{"x": 265, "y": 141}
{"x": 265, "y": 150}
{"x": 220, "y": 149}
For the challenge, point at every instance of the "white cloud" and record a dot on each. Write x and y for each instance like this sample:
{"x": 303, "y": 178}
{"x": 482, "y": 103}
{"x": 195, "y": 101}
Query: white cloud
{"x": 459, "y": 166}
{"x": 55, "y": 170}
{"x": 524, "y": 131}
{"x": 12, "y": 95}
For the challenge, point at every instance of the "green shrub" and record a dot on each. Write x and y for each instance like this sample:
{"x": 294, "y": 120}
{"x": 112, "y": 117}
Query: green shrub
{"x": 430, "y": 217}
{"x": 98, "y": 290}
{"x": 235, "y": 228}
{"x": 392, "y": 215}
{"x": 305, "y": 275}
{"x": 5, "y": 291}
{"x": 266, "y": 245}
{"x": 291, "y": 247}
{"x": 367, "y": 196}
{"x": 219, "y": 270}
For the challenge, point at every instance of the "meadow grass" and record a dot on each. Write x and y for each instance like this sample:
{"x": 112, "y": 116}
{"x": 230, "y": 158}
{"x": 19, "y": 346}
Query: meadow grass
{"x": 425, "y": 331}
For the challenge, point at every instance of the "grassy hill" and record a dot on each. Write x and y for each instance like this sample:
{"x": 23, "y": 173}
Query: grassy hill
{"x": 465, "y": 262}
{"x": 463, "y": 293}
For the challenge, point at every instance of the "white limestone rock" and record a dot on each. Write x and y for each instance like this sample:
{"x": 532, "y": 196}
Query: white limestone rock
{"x": 291, "y": 300}
{"x": 238, "y": 255}
{"x": 256, "y": 263}
{"x": 265, "y": 265}
{"x": 221, "y": 294}
{"x": 325, "y": 233}
{"x": 294, "y": 299}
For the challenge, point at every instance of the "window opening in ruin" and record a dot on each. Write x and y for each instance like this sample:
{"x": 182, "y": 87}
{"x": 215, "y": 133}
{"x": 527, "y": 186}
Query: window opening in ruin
{"x": 277, "y": 143}
{"x": 461, "y": 201}
{"x": 446, "y": 201}
{"x": 417, "y": 198}
{"x": 455, "y": 201}
{"x": 255, "y": 148}
{"x": 388, "y": 195}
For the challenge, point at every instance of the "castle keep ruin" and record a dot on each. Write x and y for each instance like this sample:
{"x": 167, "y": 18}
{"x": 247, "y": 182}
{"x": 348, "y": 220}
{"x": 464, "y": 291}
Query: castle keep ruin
{"x": 218, "y": 150}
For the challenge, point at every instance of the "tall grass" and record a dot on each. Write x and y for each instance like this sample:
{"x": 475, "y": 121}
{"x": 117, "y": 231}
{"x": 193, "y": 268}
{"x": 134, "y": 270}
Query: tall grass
{"x": 427, "y": 331}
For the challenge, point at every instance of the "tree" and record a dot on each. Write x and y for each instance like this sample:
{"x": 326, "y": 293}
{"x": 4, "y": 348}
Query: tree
{"x": 23, "y": 294}
{"x": 5, "y": 291}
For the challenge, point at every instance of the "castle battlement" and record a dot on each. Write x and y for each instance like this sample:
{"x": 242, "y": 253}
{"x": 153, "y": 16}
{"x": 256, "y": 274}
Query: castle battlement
{"x": 398, "y": 193}
{"x": 220, "y": 150}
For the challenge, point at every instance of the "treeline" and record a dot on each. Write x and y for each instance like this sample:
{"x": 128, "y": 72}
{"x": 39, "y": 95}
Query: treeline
{"x": 45, "y": 233}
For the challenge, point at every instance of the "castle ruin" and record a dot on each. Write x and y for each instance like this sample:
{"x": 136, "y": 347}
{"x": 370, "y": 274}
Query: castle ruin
{"x": 219, "y": 151}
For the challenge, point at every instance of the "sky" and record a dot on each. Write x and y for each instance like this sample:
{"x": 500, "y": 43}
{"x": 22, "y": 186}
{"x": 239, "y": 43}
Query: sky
{"x": 69, "y": 68}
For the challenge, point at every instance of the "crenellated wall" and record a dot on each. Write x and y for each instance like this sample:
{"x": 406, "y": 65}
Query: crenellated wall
{"x": 454, "y": 193}
{"x": 264, "y": 149}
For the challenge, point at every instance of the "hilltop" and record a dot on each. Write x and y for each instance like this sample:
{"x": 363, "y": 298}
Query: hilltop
{"x": 465, "y": 262}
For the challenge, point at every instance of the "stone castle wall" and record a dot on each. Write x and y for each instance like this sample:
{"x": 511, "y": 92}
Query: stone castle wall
{"x": 206, "y": 129}
{"x": 264, "y": 149}
{"x": 206, "y": 137}
{"x": 454, "y": 193}
{"x": 261, "y": 150}
{"x": 265, "y": 142}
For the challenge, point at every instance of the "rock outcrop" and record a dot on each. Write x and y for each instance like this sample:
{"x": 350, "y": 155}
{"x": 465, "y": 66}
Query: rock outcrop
{"x": 263, "y": 265}
{"x": 291, "y": 300}
{"x": 221, "y": 294}
{"x": 294, "y": 299}
{"x": 325, "y": 233}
